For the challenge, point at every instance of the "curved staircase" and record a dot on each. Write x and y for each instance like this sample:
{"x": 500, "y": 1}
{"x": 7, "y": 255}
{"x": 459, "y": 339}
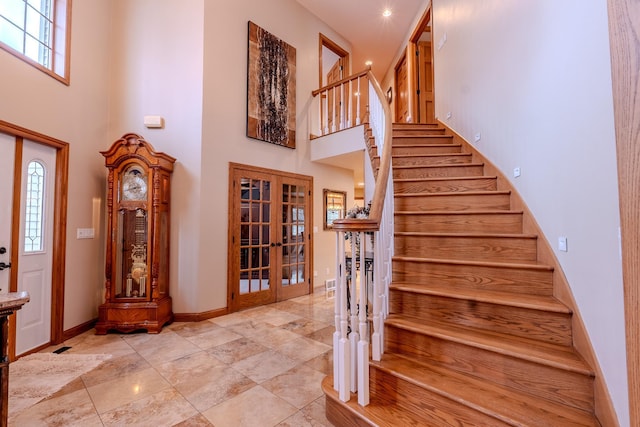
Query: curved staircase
{"x": 474, "y": 336}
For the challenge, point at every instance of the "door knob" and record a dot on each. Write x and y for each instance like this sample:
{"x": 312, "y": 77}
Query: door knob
{"x": 4, "y": 265}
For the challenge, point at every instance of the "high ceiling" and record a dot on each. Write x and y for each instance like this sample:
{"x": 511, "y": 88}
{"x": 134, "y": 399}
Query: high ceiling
{"x": 372, "y": 36}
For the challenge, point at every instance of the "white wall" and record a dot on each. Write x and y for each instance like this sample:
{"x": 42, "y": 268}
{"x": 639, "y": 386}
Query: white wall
{"x": 156, "y": 68}
{"x": 224, "y": 127}
{"x": 533, "y": 77}
{"x": 76, "y": 114}
{"x": 186, "y": 61}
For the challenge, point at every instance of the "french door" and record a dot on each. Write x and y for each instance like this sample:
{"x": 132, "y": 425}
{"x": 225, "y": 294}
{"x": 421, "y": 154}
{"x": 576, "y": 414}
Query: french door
{"x": 269, "y": 236}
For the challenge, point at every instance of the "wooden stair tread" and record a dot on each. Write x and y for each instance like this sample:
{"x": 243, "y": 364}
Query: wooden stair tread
{"x": 458, "y": 165}
{"x": 448, "y": 178}
{"x": 396, "y": 156}
{"x": 480, "y": 235}
{"x": 371, "y": 415}
{"x": 495, "y": 264}
{"x": 455, "y": 193}
{"x": 533, "y": 302}
{"x": 503, "y": 403}
{"x": 418, "y": 145}
{"x": 547, "y": 354}
{"x": 469, "y": 212}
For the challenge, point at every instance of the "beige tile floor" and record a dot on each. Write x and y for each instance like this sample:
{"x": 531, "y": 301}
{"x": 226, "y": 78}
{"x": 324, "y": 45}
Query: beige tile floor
{"x": 260, "y": 367}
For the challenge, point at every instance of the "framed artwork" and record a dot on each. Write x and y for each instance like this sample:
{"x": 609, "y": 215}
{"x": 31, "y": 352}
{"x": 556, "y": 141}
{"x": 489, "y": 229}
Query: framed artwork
{"x": 334, "y": 204}
{"x": 271, "y": 88}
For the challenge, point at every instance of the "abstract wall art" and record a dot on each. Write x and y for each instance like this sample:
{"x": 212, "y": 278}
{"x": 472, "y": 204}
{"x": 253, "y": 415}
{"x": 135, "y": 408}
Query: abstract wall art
{"x": 271, "y": 88}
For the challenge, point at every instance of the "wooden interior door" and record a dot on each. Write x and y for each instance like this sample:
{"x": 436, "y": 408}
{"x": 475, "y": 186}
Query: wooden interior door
{"x": 402, "y": 91}
{"x": 269, "y": 236}
{"x": 334, "y": 97}
{"x": 426, "y": 109}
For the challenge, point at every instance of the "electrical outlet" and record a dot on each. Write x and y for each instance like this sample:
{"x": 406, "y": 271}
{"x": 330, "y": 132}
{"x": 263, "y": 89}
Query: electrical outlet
{"x": 562, "y": 244}
{"x": 516, "y": 172}
{"x": 477, "y": 137}
{"x": 448, "y": 115}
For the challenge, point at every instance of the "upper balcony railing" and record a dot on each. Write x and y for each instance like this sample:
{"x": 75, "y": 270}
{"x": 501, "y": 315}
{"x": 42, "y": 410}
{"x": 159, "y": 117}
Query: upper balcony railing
{"x": 343, "y": 104}
{"x": 355, "y": 279}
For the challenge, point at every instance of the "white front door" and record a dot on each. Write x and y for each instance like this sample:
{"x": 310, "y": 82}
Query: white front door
{"x": 33, "y": 324}
{"x": 7, "y": 148}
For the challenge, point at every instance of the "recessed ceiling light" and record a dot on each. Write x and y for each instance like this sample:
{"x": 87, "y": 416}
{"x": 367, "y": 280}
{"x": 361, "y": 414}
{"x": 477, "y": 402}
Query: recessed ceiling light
{"x": 386, "y": 13}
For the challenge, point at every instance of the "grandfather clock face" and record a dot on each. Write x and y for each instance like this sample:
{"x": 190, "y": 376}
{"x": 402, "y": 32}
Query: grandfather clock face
{"x": 134, "y": 184}
{"x": 132, "y": 229}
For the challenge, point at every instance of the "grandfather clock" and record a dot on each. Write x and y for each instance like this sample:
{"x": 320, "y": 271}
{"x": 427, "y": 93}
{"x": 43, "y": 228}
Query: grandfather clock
{"x": 137, "y": 258}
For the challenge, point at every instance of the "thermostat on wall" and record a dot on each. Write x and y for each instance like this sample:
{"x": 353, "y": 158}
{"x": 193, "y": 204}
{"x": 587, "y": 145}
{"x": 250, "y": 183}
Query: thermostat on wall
{"x": 153, "y": 121}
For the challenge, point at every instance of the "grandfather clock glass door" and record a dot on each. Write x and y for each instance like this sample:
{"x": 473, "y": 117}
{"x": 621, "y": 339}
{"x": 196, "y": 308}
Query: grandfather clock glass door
{"x": 269, "y": 242}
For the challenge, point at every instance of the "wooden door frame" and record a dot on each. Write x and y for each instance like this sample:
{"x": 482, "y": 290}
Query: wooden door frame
{"x": 623, "y": 30}
{"x": 324, "y": 41}
{"x": 59, "y": 228}
{"x": 412, "y": 66}
{"x": 233, "y": 167}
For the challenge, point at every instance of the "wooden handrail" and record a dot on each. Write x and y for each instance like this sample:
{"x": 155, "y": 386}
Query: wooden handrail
{"x": 340, "y": 82}
{"x": 372, "y": 223}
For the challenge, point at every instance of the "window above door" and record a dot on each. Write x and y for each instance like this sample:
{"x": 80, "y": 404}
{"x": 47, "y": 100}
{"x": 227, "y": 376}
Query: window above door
{"x": 38, "y": 32}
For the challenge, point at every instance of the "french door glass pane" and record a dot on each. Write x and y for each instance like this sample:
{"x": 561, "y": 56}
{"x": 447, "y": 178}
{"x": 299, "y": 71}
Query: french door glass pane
{"x": 255, "y": 235}
{"x": 293, "y": 265}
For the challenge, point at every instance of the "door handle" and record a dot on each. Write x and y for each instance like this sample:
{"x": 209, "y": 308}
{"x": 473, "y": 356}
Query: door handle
{"x": 276, "y": 244}
{"x": 3, "y": 266}
{"x": 3, "y": 250}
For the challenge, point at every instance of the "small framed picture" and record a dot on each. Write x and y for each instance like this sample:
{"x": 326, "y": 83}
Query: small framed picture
{"x": 335, "y": 203}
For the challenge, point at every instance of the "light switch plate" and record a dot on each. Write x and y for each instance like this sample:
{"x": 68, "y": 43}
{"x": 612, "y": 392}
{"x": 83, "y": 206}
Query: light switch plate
{"x": 562, "y": 244}
{"x": 85, "y": 233}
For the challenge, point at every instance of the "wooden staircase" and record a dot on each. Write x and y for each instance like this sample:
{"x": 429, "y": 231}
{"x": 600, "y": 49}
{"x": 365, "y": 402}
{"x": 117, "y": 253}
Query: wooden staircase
{"x": 474, "y": 336}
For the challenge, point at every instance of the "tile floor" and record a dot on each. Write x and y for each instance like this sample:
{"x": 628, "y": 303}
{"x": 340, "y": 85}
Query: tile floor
{"x": 260, "y": 367}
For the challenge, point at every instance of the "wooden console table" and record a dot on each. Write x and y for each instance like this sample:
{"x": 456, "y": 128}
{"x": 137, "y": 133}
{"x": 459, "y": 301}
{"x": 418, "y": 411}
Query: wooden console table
{"x": 9, "y": 304}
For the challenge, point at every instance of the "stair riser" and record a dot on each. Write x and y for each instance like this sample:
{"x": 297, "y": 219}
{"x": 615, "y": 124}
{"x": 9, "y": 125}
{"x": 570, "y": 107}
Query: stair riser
{"x": 418, "y": 140}
{"x": 438, "y": 171}
{"x": 439, "y": 159}
{"x": 445, "y": 185}
{"x": 568, "y": 388}
{"x": 550, "y": 327}
{"x": 477, "y": 248}
{"x": 453, "y": 202}
{"x": 471, "y": 223}
{"x": 426, "y": 149}
{"x": 427, "y": 407}
{"x": 517, "y": 280}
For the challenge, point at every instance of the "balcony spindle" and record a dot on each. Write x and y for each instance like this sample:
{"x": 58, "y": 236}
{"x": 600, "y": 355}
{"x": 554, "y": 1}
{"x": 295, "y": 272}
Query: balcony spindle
{"x": 363, "y": 343}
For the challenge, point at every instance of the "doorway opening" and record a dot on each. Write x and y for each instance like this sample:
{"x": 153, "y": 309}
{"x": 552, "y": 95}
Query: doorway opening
{"x": 421, "y": 47}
